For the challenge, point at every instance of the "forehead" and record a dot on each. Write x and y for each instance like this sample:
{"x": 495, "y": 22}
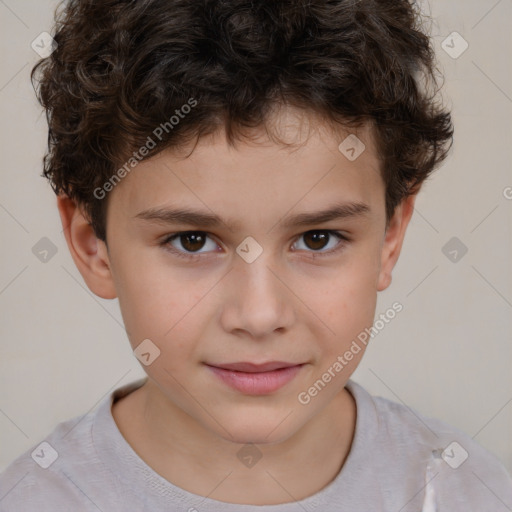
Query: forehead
{"x": 259, "y": 172}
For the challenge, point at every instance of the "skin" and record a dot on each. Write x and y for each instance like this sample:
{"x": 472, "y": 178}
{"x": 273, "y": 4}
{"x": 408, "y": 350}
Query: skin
{"x": 294, "y": 303}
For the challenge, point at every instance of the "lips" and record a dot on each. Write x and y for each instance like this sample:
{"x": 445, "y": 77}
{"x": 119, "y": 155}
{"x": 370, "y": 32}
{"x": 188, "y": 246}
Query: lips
{"x": 256, "y": 379}
{"x": 255, "y": 368}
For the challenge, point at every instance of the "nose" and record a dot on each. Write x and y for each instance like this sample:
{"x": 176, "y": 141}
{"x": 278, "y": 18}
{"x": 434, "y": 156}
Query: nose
{"x": 258, "y": 300}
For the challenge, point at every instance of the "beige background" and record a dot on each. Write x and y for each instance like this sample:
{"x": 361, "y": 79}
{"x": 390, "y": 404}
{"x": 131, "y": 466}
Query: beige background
{"x": 448, "y": 354}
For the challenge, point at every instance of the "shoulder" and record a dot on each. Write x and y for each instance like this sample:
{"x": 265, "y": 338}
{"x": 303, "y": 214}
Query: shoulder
{"x": 459, "y": 468}
{"x": 73, "y": 468}
{"x": 64, "y": 471}
{"x": 37, "y": 476}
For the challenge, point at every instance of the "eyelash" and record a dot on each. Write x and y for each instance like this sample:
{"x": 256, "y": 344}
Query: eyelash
{"x": 193, "y": 256}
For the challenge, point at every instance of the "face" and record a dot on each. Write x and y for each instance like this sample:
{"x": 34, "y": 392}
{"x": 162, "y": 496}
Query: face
{"x": 254, "y": 278}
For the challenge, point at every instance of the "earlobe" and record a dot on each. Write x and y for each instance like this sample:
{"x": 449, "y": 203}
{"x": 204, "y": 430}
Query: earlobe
{"x": 88, "y": 252}
{"x": 393, "y": 241}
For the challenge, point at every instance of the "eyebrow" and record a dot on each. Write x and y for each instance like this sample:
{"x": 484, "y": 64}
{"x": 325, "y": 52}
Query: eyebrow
{"x": 199, "y": 218}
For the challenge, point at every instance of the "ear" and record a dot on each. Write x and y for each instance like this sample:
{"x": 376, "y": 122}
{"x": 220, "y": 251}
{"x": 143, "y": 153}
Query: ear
{"x": 88, "y": 252}
{"x": 393, "y": 240}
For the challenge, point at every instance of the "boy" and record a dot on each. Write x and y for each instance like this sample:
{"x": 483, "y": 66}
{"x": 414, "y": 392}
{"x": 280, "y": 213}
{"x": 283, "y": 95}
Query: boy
{"x": 241, "y": 176}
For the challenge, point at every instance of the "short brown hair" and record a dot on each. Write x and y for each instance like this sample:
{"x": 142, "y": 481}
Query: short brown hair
{"x": 121, "y": 68}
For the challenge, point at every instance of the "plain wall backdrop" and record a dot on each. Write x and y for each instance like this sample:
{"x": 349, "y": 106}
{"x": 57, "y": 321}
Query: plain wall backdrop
{"x": 447, "y": 354}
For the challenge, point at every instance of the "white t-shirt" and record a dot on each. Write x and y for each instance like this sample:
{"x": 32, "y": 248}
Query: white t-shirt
{"x": 399, "y": 461}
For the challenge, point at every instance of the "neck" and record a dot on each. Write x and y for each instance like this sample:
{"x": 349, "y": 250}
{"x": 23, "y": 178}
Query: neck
{"x": 198, "y": 460}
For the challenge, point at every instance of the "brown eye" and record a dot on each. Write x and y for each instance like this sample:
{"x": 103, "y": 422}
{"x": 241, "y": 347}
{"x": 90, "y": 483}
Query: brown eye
{"x": 191, "y": 243}
{"x": 316, "y": 240}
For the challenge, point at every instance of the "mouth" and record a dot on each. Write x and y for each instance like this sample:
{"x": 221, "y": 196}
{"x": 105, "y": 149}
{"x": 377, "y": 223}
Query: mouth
{"x": 256, "y": 379}
{"x": 254, "y": 368}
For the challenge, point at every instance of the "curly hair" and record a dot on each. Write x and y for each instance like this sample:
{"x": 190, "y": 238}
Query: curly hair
{"x": 122, "y": 68}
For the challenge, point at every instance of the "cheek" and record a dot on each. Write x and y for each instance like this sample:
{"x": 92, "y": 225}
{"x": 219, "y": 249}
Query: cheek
{"x": 156, "y": 302}
{"x": 346, "y": 306}
{"x": 350, "y": 295}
